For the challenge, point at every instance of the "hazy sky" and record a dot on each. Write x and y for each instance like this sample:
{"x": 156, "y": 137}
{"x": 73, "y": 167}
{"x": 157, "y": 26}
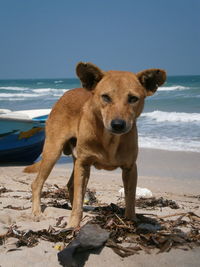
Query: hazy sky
{"x": 46, "y": 38}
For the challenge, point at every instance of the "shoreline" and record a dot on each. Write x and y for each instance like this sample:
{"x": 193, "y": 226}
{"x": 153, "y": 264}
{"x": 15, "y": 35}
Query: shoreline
{"x": 160, "y": 163}
{"x": 164, "y": 163}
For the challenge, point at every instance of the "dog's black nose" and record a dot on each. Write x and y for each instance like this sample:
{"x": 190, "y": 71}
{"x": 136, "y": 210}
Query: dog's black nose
{"x": 118, "y": 125}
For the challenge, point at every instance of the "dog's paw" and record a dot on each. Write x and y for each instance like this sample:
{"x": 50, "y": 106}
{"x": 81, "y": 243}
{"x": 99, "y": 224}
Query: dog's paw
{"x": 36, "y": 216}
{"x": 73, "y": 223}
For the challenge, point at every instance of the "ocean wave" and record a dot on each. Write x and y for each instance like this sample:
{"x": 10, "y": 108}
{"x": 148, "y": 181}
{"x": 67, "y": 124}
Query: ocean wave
{"x": 12, "y": 99}
{"x": 32, "y": 93}
{"x": 170, "y": 144}
{"x": 173, "y": 88}
{"x": 15, "y": 88}
{"x": 161, "y": 116}
{"x": 59, "y": 81}
{"x": 8, "y": 95}
{"x": 49, "y": 90}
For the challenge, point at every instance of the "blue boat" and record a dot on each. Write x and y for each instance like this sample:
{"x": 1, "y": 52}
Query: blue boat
{"x": 22, "y": 135}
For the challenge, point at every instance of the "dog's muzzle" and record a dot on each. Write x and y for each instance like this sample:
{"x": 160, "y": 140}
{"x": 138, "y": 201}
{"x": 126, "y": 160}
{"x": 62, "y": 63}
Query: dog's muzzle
{"x": 118, "y": 126}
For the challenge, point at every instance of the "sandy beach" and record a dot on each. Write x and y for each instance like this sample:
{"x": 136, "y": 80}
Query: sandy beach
{"x": 172, "y": 175}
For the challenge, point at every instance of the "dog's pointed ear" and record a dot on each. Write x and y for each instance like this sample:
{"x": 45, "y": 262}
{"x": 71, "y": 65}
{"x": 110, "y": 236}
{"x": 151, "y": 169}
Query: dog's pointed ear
{"x": 151, "y": 79}
{"x": 89, "y": 74}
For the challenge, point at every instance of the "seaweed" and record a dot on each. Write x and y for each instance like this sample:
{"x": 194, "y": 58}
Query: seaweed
{"x": 149, "y": 232}
{"x": 58, "y": 193}
{"x": 31, "y": 238}
{"x": 4, "y": 190}
{"x": 15, "y": 208}
{"x": 156, "y": 202}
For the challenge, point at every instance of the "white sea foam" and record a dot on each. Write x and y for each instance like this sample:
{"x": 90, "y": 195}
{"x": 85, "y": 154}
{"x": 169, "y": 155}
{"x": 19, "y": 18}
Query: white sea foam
{"x": 12, "y": 99}
{"x": 49, "y": 90}
{"x": 173, "y": 88}
{"x": 31, "y": 93}
{"x": 59, "y": 81}
{"x": 161, "y": 116}
{"x": 15, "y": 88}
{"x": 170, "y": 144}
{"x": 8, "y": 95}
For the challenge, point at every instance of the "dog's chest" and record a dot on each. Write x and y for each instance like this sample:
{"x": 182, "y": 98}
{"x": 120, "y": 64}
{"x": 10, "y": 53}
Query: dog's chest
{"x": 109, "y": 158}
{"x": 110, "y": 146}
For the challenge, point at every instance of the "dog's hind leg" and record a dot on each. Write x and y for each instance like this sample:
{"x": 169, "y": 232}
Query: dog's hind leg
{"x": 70, "y": 184}
{"x": 51, "y": 153}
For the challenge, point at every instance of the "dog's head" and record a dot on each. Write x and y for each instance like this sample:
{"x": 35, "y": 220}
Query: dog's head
{"x": 118, "y": 95}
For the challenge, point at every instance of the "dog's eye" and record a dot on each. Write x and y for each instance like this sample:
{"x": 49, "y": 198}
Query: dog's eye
{"x": 132, "y": 99}
{"x": 106, "y": 98}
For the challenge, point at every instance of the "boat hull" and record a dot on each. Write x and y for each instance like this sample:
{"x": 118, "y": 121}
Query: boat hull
{"x": 21, "y": 140}
{"x": 27, "y": 154}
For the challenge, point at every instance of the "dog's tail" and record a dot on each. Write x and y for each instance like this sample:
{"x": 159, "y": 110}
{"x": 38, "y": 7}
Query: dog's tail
{"x": 33, "y": 168}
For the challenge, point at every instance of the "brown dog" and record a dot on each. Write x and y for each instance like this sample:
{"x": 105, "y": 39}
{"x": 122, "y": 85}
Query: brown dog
{"x": 97, "y": 125}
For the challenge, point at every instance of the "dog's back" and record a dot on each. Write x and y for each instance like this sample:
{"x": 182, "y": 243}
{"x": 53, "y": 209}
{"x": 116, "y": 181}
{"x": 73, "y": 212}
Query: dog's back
{"x": 66, "y": 112}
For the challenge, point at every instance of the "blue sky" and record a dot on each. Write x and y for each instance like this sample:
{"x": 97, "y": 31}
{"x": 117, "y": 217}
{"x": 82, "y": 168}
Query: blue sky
{"x": 46, "y": 38}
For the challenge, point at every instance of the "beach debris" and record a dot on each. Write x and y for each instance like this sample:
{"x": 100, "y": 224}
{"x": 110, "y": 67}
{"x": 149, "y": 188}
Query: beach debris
{"x": 11, "y": 244}
{"x": 15, "y": 208}
{"x": 140, "y": 192}
{"x": 143, "y": 192}
{"x": 59, "y": 247}
{"x": 59, "y": 193}
{"x": 149, "y": 233}
{"x": 152, "y": 203}
{"x": 90, "y": 237}
{"x": 56, "y": 193}
{"x": 193, "y": 196}
{"x": 31, "y": 238}
{"x": 59, "y": 220}
{"x": 90, "y": 197}
{"x": 4, "y": 190}
{"x": 58, "y": 204}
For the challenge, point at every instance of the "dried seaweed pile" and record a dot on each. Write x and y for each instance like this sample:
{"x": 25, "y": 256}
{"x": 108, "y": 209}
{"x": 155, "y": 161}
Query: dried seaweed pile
{"x": 126, "y": 237}
{"x": 60, "y": 197}
{"x": 56, "y": 193}
{"x": 31, "y": 238}
{"x": 152, "y": 203}
{"x": 149, "y": 232}
{"x": 4, "y": 190}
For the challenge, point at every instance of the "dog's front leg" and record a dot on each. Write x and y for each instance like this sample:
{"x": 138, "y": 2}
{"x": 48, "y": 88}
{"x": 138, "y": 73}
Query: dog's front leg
{"x": 81, "y": 177}
{"x": 129, "y": 176}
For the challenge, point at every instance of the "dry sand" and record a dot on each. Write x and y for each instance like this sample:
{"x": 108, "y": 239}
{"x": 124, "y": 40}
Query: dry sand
{"x": 173, "y": 175}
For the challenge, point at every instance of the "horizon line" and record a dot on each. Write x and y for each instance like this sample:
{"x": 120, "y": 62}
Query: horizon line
{"x": 76, "y": 78}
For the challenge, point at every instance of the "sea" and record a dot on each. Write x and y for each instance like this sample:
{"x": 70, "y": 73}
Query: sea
{"x": 170, "y": 120}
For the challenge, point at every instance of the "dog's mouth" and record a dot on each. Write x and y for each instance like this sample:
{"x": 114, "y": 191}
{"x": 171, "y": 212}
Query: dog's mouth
{"x": 118, "y": 132}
